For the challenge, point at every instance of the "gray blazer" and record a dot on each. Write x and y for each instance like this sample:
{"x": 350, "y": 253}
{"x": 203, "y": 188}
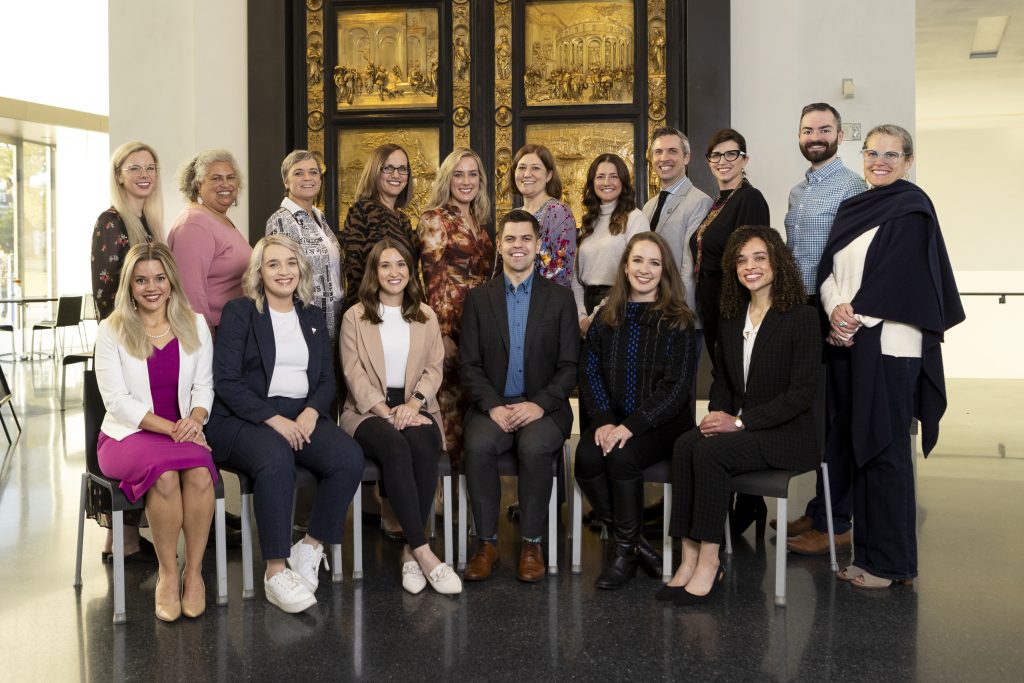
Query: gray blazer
{"x": 680, "y": 217}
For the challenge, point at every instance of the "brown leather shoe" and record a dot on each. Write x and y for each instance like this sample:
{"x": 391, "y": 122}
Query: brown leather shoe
{"x": 482, "y": 563}
{"x": 531, "y": 563}
{"x": 814, "y": 542}
{"x": 794, "y": 528}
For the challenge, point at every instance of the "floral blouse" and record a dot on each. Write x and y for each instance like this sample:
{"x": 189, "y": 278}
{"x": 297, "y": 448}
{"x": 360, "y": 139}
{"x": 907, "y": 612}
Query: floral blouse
{"x": 109, "y": 246}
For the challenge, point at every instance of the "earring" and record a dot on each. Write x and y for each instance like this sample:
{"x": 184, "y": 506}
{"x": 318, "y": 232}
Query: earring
{"x": 236, "y": 201}
{"x": 135, "y": 306}
{"x": 199, "y": 200}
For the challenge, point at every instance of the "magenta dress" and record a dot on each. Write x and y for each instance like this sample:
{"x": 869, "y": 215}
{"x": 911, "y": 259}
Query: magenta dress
{"x": 138, "y": 460}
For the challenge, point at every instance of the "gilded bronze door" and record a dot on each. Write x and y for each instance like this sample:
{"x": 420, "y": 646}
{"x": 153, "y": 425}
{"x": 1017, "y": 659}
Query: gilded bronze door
{"x": 582, "y": 77}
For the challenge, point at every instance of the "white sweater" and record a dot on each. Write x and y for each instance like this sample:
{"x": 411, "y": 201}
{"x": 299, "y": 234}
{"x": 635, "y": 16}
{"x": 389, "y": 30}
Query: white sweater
{"x": 597, "y": 260}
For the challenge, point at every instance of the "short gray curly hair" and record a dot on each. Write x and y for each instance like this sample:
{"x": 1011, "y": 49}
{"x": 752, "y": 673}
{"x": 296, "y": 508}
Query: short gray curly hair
{"x": 192, "y": 174}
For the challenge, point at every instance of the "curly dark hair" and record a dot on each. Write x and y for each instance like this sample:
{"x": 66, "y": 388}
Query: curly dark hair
{"x": 787, "y": 288}
{"x": 592, "y": 205}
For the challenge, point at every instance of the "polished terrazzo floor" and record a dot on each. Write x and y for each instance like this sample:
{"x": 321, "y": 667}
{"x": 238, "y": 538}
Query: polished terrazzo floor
{"x": 961, "y": 621}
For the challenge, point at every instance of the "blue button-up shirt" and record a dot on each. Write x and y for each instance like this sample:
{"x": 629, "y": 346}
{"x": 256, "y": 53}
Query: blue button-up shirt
{"x": 812, "y": 207}
{"x": 517, "y": 303}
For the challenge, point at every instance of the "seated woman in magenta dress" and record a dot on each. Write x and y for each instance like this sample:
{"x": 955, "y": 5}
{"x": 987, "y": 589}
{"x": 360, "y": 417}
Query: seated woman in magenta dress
{"x": 154, "y": 367}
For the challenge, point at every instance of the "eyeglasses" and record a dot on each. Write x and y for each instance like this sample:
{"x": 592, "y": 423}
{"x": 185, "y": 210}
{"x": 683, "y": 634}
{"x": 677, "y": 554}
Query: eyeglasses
{"x": 135, "y": 169}
{"x": 388, "y": 169}
{"x": 731, "y": 155}
{"x": 888, "y": 157}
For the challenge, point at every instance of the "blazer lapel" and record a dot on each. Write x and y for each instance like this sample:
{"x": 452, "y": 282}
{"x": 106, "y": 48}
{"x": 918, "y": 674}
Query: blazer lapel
{"x": 538, "y": 302}
{"x": 264, "y": 330}
{"x": 500, "y": 310}
{"x": 312, "y": 343}
{"x": 769, "y": 325}
{"x": 374, "y": 346}
{"x": 414, "y": 366}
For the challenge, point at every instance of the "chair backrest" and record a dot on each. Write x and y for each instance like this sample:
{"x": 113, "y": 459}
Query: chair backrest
{"x": 69, "y": 311}
{"x": 94, "y": 411}
{"x": 89, "y": 308}
{"x": 819, "y": 412}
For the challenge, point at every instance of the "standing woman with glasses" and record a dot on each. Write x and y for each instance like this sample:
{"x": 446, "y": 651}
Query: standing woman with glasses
{"x": 738, "y": 203}
{"x": 456, "y": 255}
{"x": 136, "y": 216}
{"x": 382, "y": 192}
{"x": 299, "y": 219}
{"x": 211, "y": 252}
{"x": 887, "y": 286}
{"x": 610, "y": 221}
{"x": 534, "y": 177}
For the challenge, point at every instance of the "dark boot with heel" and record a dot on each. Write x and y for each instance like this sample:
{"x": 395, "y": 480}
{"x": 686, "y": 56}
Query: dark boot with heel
{"x": 627, "y": 505}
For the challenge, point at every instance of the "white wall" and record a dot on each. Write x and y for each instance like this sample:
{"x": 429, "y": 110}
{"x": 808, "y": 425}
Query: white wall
{"x": 788, "y": 53}
{"x": 82, "y": 193}
{"x": 189, "y": 93}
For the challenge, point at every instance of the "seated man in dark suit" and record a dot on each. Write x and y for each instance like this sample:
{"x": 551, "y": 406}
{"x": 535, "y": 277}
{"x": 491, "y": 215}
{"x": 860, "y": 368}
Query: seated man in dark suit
{"x": 517, "y": 361}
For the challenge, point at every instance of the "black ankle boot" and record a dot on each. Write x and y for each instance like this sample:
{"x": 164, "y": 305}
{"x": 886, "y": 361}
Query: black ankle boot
{"x": 599, "y": 495}
{"x": 621, "y": 569}
{"x": 648, "y": 558}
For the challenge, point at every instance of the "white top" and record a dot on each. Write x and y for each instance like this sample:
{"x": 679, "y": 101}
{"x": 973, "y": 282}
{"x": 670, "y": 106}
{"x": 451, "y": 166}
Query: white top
{"x": 292, "y": 360}
{"x": 394, "y": 337}
{"x": 597, "y": 259}
{"x": 749, "y": 337}
{"x": 898, "y": 339}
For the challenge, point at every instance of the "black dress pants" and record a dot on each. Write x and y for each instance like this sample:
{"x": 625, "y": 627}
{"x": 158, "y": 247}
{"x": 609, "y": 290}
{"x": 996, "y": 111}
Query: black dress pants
{"x": 408, "y": 461}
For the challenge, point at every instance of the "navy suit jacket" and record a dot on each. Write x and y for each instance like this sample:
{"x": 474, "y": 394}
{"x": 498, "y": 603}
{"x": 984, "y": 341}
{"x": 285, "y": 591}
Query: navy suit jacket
{"x": 550, "y": 355}
{"x": 244, "y": 354}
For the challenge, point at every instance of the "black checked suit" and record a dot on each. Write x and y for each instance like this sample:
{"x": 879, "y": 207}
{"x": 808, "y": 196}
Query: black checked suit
{"x": 779, "y": 430}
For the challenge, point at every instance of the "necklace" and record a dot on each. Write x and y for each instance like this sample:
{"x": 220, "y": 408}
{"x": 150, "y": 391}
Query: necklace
{"x": 162, "y": 334}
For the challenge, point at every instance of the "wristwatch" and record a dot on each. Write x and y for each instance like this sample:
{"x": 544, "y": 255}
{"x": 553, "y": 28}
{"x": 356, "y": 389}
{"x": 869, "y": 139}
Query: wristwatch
{"x": 420, "y": 397}
{"x": 739, "y": 424}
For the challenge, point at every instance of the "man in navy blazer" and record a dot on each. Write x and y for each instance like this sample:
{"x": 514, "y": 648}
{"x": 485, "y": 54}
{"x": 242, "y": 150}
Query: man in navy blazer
{"x": 517, "y": 360}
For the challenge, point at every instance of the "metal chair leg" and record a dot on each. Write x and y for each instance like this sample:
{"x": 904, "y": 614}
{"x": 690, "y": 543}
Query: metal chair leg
{"x": 120, "y": 616}
{"x": 463, "y": 518}
{"x": 780, "y": 558}
{"x": 81, "y": 529}
{"x": 666, "y": 540}
{"x": 446, "y": 485}
{"x": 577, "y": 526}
{"x": 357, "y": 535}
{"x": 221, "y": 551}
{"x": 553, "y": 528}
{"x": 248, "y": 593}
{"x": 337, "y": 573}
{"x": 828, "y": 517}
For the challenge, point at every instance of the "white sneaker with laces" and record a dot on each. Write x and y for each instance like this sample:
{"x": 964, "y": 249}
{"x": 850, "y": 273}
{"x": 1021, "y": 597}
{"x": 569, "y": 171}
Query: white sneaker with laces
{"x": 305, "y": 562}
{"x": 286, "y": 590}
{"x": 444, "y": 580}
{"x": 412, "y": 577}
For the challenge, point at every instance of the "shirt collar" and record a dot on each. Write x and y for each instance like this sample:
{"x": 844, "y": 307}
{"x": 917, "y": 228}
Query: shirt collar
{"x": 678, "y": 185}
{"x": 287, "y": 203}
{"x": 825, "y": 171}
{"x": 748, "y": 327}
{"x": 525, "y": 286}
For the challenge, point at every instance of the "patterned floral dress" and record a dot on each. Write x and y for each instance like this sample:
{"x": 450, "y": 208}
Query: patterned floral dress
{"x": 455, "y": 258}
{"x": 109, "y": 246}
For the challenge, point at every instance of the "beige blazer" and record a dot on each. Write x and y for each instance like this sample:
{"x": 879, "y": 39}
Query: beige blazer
{"x": 362, "y": 359}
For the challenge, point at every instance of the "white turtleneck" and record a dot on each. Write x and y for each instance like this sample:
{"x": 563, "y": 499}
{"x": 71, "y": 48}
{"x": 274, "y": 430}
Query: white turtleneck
{"x": 597, "y": 259}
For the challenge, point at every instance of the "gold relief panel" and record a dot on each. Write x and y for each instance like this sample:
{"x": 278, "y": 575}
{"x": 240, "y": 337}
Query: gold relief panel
{"x": 314, "y": 77}
{"x": 502, "y": 104}
{"x": 462, "y": 61}
{"x": 578, "y": 52}
{"x": 386, "y": 59}
{"x": 575, "y": 145}
{"x": 355, "y": 146}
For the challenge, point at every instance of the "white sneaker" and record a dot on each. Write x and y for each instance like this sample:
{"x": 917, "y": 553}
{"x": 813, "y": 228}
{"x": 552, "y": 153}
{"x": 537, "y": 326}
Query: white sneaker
{"x": 412, "y": 577}
{"x": 305, "y": 562}
{"x": 444, "y": 580}
{"x": 286, "y": 590}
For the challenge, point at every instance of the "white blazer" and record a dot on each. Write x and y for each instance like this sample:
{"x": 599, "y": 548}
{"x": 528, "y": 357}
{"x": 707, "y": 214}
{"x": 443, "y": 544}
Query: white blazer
{"x": 124, "y": 381}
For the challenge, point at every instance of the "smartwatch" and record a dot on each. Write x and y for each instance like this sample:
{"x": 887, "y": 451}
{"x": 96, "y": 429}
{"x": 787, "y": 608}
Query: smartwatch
{"x": 420, "y": 397}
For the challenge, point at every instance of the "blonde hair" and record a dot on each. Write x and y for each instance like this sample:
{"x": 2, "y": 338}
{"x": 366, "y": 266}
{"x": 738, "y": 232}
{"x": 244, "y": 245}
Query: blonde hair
{"x": 252, "y": 279}
{"x": 441, "y": 190}
{"x": 152, "y": 207}
{"x": 192, "y": 174}
{"x": 368, "y": 186}
{"x": 125, "y": 320}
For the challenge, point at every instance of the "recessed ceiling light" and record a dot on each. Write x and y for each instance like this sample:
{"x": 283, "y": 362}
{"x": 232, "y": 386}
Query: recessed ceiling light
{"x": 988, "y": 36}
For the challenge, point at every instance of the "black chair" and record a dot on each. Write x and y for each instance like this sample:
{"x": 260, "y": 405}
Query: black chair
{"x": 70, "y": 359}
{"x": 6, "y": 398}
{"x": 775, "y": 483}
{"x": 69, "y": 314}
{"x": 508, "y": 466}
{"x": 303, "y": 478}
{"x": 372, "y": 473}
{"x": 94, "y": 413}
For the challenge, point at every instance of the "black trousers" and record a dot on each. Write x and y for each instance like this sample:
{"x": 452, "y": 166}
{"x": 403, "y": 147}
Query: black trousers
{"x": 264, "y": 455}
{"x": 702, "y": 467}
{"x": 408, "y": 462}
{"x": 838, "y": 447}
{"x": 534, "y": 446}
{"x": 629, "y": 461}
{"x": 884, "y": 500}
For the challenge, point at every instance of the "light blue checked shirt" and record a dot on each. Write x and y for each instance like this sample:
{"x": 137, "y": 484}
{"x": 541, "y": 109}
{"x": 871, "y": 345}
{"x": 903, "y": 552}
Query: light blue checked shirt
{"x": 517, "y": 304}
{"x": 812, "y": 207}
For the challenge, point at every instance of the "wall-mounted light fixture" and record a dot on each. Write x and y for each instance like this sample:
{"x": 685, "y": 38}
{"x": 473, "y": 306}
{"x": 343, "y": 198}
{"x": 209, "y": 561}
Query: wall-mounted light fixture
{"x": 848, "y": 89}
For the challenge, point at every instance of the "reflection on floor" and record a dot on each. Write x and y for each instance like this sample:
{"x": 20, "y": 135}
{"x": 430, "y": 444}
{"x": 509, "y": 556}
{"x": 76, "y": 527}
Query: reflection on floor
{"x": 960, "y": 622}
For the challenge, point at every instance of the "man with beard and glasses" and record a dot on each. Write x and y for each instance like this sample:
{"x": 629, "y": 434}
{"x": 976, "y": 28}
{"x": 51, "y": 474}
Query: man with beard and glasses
{"x": 812, "y": 206}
